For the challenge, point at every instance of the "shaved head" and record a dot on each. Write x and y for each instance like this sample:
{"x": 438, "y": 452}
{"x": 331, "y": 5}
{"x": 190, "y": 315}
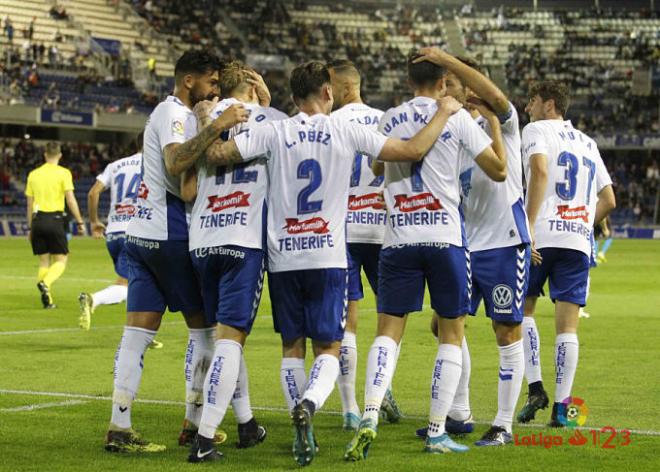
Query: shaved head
{"x": 346, "y": 80}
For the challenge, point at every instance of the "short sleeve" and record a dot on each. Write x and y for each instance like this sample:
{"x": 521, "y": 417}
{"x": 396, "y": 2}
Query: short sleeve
{"x": 384, "y": 118}
{"x": 365, "y": 141}
{"x": 470, "y": 135}
{"x": 29, "y": 192}
{"x": 106, "y": 176}
{"x": 257, "y": 141}
{"x": 533, "y": 142}
{"x": 190, "y": 127}
{"x": 509, "y": 121}
{"x": 171, "y": 128}
{"x": 67, "y": 182}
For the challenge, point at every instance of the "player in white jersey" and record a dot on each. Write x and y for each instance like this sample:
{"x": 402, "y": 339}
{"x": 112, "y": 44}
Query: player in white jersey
{"x": 498, "y": 239}
{"x": 424, "y": 244}
{"x": 568, "y": 191}
{"x": 226, "y": 245}
{"x": 310, "y": 158}
{"x": 160, "y": 272}
{"x": 122, "y": 178}
{"x": 365, "y": 230}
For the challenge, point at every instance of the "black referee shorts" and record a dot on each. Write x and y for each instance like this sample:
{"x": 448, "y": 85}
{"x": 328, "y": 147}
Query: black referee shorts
{"x": 49, "y": 234}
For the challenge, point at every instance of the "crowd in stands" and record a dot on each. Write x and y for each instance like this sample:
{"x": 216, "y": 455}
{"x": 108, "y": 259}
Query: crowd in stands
{"x": 636, "y": 183}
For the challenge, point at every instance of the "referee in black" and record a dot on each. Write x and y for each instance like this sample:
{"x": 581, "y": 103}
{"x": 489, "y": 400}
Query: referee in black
{"x": 48, "y": 186}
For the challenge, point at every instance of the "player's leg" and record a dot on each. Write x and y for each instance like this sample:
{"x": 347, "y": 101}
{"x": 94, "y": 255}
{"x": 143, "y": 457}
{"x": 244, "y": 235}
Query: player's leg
{"x": 54, "y": 272}
{"x": 568, "y": 283}
{"x": 449, "y": 277}
{"x": 505, "y": 278}
{"x": 231, "y": 298}
{"x": 324, "y": 312}
{"x": 603, "y": 251}
{"x": 348, "y": 352}
{"x": 537, "y": 398}
{"x": 44, "y": 264}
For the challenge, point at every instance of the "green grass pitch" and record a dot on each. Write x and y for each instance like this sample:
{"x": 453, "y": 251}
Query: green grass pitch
{"x": 43, "y": 354}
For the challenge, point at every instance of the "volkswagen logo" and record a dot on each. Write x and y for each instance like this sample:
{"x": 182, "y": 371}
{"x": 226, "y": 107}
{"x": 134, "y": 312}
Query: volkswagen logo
{"x": 502, "y": 296}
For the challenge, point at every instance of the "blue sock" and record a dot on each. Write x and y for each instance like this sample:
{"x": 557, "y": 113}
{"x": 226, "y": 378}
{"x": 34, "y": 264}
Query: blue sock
{"x": 606, "y": 245}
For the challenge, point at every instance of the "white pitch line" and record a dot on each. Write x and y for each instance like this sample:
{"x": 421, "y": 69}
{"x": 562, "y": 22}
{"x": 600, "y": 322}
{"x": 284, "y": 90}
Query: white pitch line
{"x": 72, "y": 279}
{"x": 83, "y": 396}
{"x": 41, "y": 406}
{"x": 71, "y": 330}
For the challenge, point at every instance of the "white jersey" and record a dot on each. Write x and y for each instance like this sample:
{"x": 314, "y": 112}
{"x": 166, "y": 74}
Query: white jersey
{"x": 366, "y": 209}
{"x": 161, "y": 214}
{"x": 122, "y": 177}
{"x": 309, "y": 166}
{"x": 576, "y": 174}
{"x": 423, "y": 197}
{"x": 494, "y": 211}
{"x": 230, "y": 208}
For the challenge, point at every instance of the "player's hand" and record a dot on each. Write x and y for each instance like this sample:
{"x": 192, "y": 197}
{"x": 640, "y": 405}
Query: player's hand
{"x": 536, "y": 257}
{"x": 260, "y": 87}
{"x": 232, "y": 116}
{"x": 433, "y": 54}
{"x": 203, "y": 109}
{"x": 98, "y": 229}
{"x": 484, "y": 109}
{"x": 449, "y": 105}
{"x": 81, "y": 228}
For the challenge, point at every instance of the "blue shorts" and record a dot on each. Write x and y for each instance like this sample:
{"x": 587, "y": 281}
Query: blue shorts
{"x": 568, "y": 271}
{"x": 500, "y": 276}
{"x": 115, "y": 244}
{"x": 310, "y": 303}
{"x": 404, "y": 270}
{"x": 232, "y": 279}
{"x": 160, "y": 275}
{"x": 362, "y": 256}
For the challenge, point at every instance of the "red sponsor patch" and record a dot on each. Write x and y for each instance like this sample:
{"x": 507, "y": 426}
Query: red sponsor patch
{"x": 370, "y": 200}
{"x": 233, "y": 200}
{"x": 416, "y": 202}
{"x": 124, "y": 209}
{"x": 314, "y": 225}
{"x": 143, "y": 191}
{"x": 577, "y": 213}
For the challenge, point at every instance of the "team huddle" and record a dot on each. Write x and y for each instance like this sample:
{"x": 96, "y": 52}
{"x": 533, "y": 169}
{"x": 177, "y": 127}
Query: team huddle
{"x": 429, "y": 193}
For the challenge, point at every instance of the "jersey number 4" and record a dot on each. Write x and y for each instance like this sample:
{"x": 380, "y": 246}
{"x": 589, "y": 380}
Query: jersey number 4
{"x": 566, "y": 190}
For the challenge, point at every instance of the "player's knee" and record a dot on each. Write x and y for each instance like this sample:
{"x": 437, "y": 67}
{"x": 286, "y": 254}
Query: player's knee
{"x": 506, "y": 333}
{"x": 322, "y": 347}
{"x": 144, "y": 320}
{"x": 391, "y": 326}
{"x": 229, "y": 332}
{"x": 451, "y": 330}
{"x": 294, "y": 348}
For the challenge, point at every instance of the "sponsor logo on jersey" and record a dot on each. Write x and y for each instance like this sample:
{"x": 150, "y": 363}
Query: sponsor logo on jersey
{"x": 177, "y": 127}
{"x": 370, "y": 200}
{"x": 233, "y": 200}
{"x": 314, "y": 225}
{"x": 578, "y": 213}
{"x": 128, "y": 209}
{"x": 143, "y": 191}
{"x": 426, "y": 200}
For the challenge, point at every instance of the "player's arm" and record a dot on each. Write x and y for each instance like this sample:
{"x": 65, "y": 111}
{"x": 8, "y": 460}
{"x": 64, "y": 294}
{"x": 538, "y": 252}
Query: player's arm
{"x": 493, "y": 160}
{"x": 475, "y": 80}
{"x": 93, "y": 208}
{"x": 72, "y": 203}
{"x": 538, "y": 182}
{"x": 30, "y": 203}
{"x": 189, "y": 185}
{"x": 416, "y": 148}
{"x": 181, "y": 156}
{"x": 606, "y": 203}
{"x": 377, "y": 167}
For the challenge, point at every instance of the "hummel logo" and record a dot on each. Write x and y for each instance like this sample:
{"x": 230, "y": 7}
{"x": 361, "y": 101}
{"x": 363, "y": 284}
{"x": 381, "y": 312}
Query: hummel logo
{"x": 202, "y": 455}
{"x": 123, "y": 409}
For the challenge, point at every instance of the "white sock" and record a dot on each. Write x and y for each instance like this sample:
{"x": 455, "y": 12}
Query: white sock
{"x": 396, "y": 361}
{"x": 198, "y": 358}
{"x": 446, "y": 375}
{"x": 219, "y": 385}
{"x": 460, "y": 408}
{"x": 380, "y": 369}
{"x": 110, "y": 295}
{"x": 566, "y": 361}
{"x": 293, "y": 380}
{"x": 240, "y": 402}
{"x": 512, "y": 366}
{"x": 128, "y": 373}
{"x": 322, "y": 378}
{"x": 347, "y": 369}
{"x": 532, "y": 349}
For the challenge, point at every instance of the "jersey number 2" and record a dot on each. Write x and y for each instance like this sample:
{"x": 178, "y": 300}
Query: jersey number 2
{"x": 309, "y": 169}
